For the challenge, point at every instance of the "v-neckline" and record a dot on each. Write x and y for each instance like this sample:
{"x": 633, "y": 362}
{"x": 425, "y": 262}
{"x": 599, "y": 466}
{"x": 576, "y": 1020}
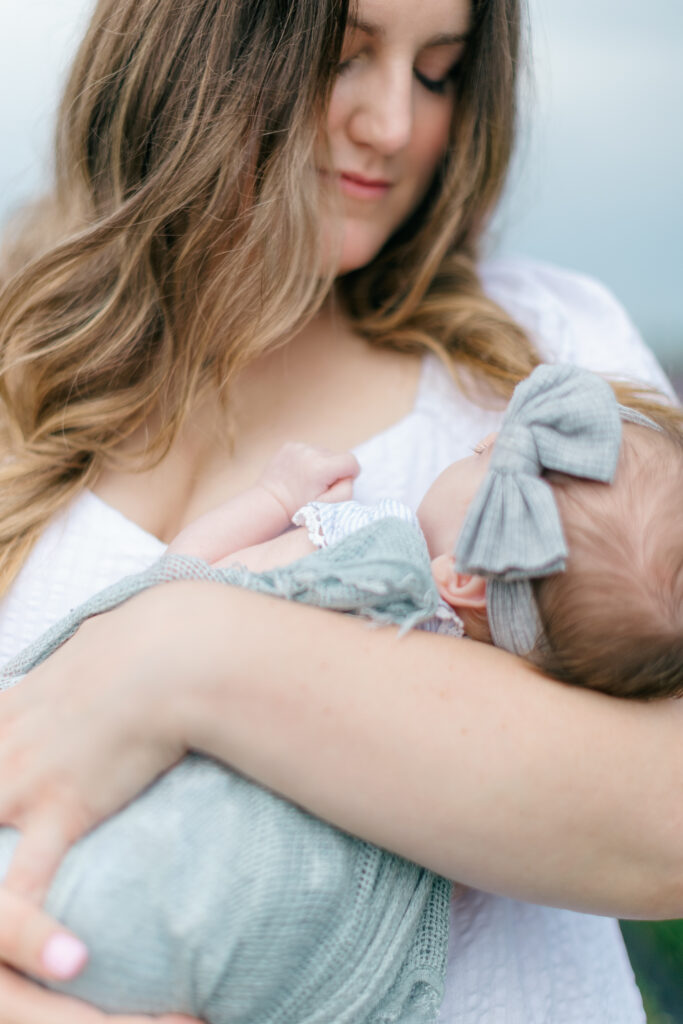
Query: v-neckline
{"x": 358, "y": 450}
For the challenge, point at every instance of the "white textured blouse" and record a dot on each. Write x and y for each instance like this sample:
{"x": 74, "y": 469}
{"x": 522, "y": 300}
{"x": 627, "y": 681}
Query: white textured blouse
{"x": 509, "y": 962}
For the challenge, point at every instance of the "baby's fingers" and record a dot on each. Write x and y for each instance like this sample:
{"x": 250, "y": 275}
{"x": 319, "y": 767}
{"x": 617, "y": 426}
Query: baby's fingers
{"x": 343, "y": 465}
{"x": 342, "y": 490}
{"x": 32, "y": 942}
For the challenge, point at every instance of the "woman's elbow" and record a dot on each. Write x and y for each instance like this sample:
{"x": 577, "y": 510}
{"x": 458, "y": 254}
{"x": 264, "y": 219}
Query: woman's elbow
{"x": 661, "y": 890}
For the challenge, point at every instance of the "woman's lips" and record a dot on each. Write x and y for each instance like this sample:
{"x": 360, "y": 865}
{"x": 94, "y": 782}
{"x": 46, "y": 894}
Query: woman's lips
{"x": 359, "y": 187}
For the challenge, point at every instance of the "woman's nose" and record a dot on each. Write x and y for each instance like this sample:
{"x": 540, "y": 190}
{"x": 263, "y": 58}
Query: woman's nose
{"x": 383, "y": 117}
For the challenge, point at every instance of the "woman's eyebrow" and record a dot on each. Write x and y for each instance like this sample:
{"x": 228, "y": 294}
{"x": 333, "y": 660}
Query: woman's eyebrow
{"x": 443, "y": 39}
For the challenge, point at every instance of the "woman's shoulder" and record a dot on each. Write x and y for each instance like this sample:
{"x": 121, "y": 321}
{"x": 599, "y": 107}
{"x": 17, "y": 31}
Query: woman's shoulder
{"x": 572, "y": 318}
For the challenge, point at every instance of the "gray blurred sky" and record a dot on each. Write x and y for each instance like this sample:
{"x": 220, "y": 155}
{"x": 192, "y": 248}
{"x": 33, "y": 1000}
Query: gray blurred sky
{"x": 598, "y": 182}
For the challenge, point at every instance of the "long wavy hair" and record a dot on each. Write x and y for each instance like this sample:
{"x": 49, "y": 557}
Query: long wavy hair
{"x": 180, "y": 241}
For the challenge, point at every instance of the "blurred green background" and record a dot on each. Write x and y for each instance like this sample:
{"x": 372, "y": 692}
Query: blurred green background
{"x": 656, "y": 952}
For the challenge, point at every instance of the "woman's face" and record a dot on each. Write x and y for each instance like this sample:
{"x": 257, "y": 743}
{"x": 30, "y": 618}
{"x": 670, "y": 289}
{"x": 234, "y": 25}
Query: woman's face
{"x": 389, "y": 120}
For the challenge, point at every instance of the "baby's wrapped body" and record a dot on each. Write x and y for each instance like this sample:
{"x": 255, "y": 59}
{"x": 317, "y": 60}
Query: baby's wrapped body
{"x": 212, "y": 896}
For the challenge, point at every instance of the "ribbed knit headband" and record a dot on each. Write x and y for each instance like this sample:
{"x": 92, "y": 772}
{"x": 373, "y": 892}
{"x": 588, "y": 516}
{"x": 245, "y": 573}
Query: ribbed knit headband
{"x": 560, "y": 418}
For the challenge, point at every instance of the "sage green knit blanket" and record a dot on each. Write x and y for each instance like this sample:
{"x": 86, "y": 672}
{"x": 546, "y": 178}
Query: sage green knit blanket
{"x": 211, "y": 896}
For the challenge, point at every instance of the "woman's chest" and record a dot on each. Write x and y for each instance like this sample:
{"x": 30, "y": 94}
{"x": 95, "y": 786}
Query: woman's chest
{"x": 402, "y": 439}
{"x": 211, "y": 461}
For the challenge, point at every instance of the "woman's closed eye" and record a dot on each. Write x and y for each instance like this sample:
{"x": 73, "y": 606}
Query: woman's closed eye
{"x": 437, "y": 85}
{"x": 346, "y": 64}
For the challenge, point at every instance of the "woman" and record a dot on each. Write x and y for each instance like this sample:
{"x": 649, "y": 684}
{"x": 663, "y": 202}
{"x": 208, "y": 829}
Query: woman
{"x": 175, "y": 327}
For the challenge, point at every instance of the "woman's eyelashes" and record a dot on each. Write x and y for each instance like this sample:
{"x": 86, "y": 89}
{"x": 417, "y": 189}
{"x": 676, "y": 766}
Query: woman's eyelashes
{"x": 437, "y": 86}
{"x": 345, "y": 64}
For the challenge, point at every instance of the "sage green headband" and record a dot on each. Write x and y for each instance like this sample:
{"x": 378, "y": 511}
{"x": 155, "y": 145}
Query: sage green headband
{"x": 560, "y": 418}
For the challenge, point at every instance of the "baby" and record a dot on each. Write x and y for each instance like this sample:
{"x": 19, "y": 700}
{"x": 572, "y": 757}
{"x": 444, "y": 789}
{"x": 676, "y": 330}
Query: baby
{"x": 567, "y": 533}
{"x": 210, "y": 895}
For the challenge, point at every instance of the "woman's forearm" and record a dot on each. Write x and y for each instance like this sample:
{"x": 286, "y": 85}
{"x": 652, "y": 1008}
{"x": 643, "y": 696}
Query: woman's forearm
{"x": 449, "y": 752}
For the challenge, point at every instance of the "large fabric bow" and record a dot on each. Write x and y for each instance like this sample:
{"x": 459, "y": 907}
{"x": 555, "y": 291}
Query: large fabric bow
{"x": 560, "y": 418}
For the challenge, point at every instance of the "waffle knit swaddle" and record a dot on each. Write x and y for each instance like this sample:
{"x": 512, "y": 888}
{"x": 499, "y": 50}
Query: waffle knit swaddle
{"x": 211, "y": 896}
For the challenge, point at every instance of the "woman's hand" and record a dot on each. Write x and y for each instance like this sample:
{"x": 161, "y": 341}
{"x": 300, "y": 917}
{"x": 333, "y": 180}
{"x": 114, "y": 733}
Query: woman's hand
{"x": 32, "y": 942}
{"x": 79, "y": 738}
{"x": 23, "y": 1002}
{"x": 325, "y": 711}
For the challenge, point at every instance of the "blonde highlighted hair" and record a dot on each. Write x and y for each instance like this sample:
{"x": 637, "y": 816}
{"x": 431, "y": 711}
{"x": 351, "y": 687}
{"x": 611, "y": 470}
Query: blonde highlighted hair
{"x": 181, "y": 239}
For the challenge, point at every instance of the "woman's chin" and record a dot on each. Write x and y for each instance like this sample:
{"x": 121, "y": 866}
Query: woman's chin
{"x": 356, "y": 250}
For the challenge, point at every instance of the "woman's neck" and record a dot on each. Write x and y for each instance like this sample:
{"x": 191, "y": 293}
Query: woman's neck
{"x": 276, "y": 387}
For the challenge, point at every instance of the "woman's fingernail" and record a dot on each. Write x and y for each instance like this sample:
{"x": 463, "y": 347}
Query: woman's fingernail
{"x": 64, "y": 956}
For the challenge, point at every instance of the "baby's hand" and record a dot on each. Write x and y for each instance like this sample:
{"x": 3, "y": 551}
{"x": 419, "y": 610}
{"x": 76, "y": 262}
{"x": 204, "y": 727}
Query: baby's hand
{"x": 300, "y": 473}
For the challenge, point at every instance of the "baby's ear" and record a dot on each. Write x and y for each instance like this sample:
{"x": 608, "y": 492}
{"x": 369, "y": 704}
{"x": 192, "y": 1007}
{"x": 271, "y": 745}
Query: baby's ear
{"x": 459, "y": 590}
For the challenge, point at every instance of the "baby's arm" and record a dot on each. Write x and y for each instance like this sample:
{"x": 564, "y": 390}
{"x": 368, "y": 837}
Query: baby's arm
{"x": 297, "y": 474}
{"x": 271, "y": 554}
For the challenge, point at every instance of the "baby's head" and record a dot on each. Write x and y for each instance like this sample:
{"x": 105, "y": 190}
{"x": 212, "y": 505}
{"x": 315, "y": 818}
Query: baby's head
{"x": 614, "y": 619}
{"x": 607, "y": 612}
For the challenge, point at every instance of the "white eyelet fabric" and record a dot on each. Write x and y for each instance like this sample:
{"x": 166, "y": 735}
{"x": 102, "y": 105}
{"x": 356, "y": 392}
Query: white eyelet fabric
{"x": 329, "y": 523}
{"x": 509, "y": 962}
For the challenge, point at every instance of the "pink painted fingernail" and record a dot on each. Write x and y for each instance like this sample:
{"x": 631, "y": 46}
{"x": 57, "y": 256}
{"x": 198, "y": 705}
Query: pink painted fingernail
{"x": 64, "y": 956}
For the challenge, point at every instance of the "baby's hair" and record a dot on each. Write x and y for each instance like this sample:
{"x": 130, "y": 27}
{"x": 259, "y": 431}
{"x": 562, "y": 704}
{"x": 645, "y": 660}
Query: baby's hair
{"x": 614, "y": 620}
